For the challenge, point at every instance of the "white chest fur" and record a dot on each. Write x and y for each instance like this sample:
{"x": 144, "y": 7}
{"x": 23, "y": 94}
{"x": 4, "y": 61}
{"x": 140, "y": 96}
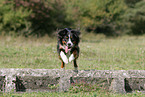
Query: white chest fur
{"x": 66, "y": 57}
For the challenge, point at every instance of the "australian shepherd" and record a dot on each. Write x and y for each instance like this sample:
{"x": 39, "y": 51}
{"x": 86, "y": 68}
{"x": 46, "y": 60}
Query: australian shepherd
{"x": 67, "y": 47}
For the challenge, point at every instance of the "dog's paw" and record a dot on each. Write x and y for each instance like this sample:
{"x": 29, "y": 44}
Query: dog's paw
{"x": 75, "y": 69}
{"x": 71, "y": 58}
{"x": 64, "y": 57}
{"x": 63, "y": 69}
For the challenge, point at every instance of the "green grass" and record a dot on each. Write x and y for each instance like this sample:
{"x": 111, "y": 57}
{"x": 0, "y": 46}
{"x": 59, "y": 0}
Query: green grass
{"x": 68, "y": 94}
{"x": 97, "y": 52}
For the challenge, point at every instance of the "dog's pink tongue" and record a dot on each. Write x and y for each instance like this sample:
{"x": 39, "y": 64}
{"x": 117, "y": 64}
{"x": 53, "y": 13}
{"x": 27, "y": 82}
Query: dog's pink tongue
{"x": 66, "y": 49}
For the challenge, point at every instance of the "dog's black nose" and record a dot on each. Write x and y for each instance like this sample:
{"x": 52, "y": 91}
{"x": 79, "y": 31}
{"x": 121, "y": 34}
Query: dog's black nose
{"x": 69, "y": 44}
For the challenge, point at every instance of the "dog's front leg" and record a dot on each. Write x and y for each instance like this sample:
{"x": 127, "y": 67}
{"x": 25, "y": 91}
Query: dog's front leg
{"x": 71, "y": 58}
{"x": 64, "y": 57}
{"x": 75, "y": 66}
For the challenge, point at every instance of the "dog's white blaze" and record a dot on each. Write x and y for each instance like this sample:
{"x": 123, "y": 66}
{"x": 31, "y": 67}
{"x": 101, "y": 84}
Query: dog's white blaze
{"x": 64, "y": 58}
{"x": 71, "y": 58}
{"x": 69, "y": 41}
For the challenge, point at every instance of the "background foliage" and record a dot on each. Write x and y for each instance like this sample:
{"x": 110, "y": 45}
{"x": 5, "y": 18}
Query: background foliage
{"x": 135, "y": 18}
{"x": 13, "y": 20}
{"x": 99, "y": 16}
{"x": 40, "y": 17}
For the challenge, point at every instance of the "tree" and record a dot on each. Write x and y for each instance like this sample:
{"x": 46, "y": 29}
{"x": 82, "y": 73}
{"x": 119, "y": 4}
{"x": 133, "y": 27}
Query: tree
{"x": 100, "y": 16}
{"x": 135, "y": 19}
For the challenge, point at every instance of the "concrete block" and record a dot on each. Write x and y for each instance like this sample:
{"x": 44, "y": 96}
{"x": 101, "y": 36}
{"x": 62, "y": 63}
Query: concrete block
{"x": 36, "y": 83}
{"x": 30, "y": 80}
{"x": 2, "y": 83}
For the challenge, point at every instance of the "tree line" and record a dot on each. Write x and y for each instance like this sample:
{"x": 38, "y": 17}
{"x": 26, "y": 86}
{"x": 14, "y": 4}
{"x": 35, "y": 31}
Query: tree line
{"x": 40, "y": 17}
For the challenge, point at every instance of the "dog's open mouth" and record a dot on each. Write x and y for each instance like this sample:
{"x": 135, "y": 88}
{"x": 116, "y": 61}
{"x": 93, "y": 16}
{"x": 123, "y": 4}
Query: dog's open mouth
{"x": 67, "y": 49}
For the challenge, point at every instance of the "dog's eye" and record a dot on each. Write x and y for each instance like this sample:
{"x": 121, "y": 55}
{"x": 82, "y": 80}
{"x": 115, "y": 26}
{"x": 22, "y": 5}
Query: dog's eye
{"x": 66, "y": 37}
{"x": 71, "y": 37}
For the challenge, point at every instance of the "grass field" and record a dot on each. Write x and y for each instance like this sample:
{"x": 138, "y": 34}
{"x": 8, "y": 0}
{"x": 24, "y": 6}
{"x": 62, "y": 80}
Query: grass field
{"x": 97, "y": 52}
{"x": 81, "y": 94}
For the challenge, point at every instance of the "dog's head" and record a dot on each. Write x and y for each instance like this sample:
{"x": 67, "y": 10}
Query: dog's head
{"x": 68, "y": 37}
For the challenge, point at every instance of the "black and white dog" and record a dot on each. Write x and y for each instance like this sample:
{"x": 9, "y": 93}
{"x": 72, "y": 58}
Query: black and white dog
{"x": 67, "y": 47}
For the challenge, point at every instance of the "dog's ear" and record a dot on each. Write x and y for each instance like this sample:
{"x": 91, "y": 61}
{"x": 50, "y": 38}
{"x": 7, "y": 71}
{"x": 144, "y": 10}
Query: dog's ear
{"x": 76, "y": 33}
{"x": 62, "y": 33}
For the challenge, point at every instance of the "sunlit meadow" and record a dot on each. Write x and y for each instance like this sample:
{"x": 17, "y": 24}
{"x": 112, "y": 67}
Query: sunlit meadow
{"x": 96, "y": 52}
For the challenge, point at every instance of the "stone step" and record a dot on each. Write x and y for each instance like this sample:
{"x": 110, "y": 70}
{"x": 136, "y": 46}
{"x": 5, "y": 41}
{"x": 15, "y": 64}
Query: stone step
{"x": 34, "y": 80}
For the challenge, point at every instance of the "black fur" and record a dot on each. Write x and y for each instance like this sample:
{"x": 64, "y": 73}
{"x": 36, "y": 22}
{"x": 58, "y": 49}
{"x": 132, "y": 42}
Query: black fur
{"x": 63, "y": 35}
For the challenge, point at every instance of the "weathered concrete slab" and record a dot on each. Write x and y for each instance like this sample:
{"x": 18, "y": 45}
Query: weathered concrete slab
{"x": 29, "y": 80}
{"x": 36, "y": 83}
{"x": 2, "y": 83}
{"x": 133, "y": 84}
